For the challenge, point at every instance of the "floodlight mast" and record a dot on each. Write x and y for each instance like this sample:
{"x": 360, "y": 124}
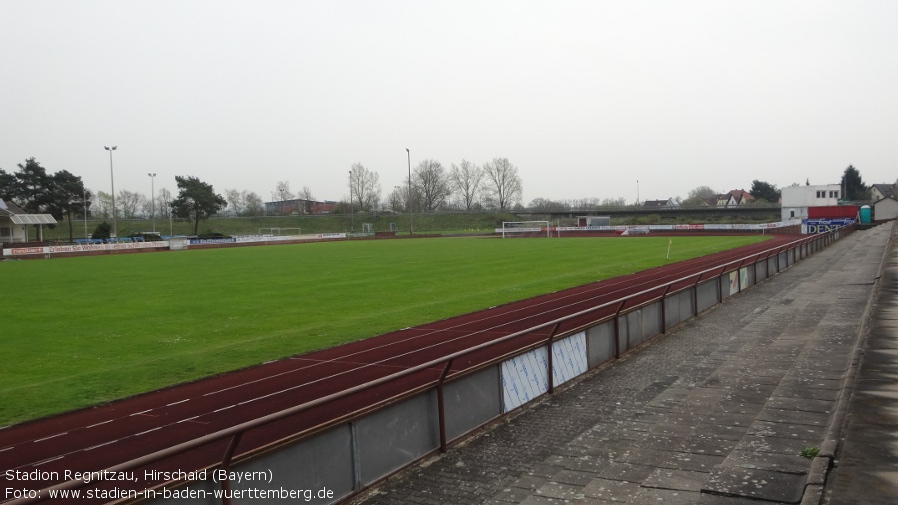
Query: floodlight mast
{"x": 112, "y": 181}
{"x": 153, "y": 198}
{"x": 411, "y": 215}
{"x": 351, "y": 212}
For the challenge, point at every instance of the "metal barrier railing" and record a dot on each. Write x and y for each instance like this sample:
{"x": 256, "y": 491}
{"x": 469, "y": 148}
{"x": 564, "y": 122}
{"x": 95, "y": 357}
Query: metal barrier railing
{"x": 807, "y": 244}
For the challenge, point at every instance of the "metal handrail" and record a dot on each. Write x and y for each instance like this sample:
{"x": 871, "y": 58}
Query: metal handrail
{"x": 239, "y": 429}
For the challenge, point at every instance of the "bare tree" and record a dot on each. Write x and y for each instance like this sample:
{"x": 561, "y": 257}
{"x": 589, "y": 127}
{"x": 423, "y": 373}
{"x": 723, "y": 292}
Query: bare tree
{"x": 466, "y": 180}
{"x": 364, "y": 185}
{"x": 397, "y": 198}
{"x": 235, "y": 201}
{"x": 696, "y": 195}
{"x": 503, "y": 184}
{"x": 614, "y": 202}
{"x": 411, "y": 197}
{"x": 546, "y": 205}
{"x": 163, "y": 201}
{"x": 147, "y": 208}
{"x": 429, "y": 178}
{"x": 243, "y": 203}
{"x": 306, "y": 194}
{"x": 252, "y": 203}
{"x": 103, "y": 205}
{"x": 129, "y": 202}
{"x": 282, "y": 191}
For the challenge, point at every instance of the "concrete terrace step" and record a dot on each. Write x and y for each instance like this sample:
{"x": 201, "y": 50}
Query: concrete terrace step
{"x": 715, "y": 412}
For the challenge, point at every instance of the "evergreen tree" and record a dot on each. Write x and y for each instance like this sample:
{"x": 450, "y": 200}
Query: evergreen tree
{"x": 196, "y": 200}
{"x": 853, "y": 185}
{"x": 764, "y": 191}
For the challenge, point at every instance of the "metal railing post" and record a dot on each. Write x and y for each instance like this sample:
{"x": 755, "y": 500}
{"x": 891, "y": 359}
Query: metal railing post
{"x": 720, "y": 284}
{"x": 226, "y": 465}
{"x": 617, "y": 329}
{"x": 695, "y": 296}
{"x": 441, "y": 406}
{"x": 664, "y": 310}
{"x": 549, "y": 353}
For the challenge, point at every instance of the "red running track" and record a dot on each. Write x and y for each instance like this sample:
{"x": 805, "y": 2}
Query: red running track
{"x": 101, "y": 437}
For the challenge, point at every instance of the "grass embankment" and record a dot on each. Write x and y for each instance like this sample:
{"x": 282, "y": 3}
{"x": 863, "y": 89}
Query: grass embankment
{"x": 445, "y": 222}
{"x": 79, "y": 331}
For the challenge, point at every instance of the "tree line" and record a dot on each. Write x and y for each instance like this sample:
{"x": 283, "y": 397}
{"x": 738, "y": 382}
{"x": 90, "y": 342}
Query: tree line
{"x": 64, "y": 196}
{"x": 763, "y": 192}
{"x": 494, "y": 185}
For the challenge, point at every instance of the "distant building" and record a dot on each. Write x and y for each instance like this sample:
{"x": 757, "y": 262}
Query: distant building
{"x": 732, "y": 198}
{"x": 741, "y": 197}
{"x": 663, "y": 204}
{"x": 885, "y": 209}
{"x": 14, "y": 223}
{"x": 587, "y": 221}
{"x": 323, "y": 207}
{"x": 722, "y": 200}
{"x": 880, "y": 191}
{"x": 298, "y": 207}
{"x": 797, "y": 199}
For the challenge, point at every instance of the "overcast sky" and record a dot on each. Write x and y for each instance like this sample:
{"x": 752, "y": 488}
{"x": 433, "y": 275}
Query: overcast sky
{"x": 585, "y": 97}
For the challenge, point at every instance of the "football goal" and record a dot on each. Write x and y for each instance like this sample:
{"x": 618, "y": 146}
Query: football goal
{"x": 512, "y": 228}
{"x": 279, "y": 232}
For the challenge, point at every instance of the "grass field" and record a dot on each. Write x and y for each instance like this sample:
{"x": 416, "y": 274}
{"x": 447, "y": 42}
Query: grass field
{"x": 81, "y": 331}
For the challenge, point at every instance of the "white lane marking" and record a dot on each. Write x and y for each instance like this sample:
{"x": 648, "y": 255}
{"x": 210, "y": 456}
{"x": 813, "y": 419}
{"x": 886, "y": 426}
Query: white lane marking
{"x": 175, "y": 403}
{"x": 51, "y": 436}
{"x": 139, "y": 413}
{"x": 100, "y": 445}
{"x": 148, "y": 431}
{"x": 48, "y": 460}
{"x": 98, "y": 424}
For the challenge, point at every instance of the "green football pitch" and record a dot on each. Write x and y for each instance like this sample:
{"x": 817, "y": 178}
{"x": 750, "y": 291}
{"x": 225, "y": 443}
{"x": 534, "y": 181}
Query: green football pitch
{"x": 81, "y": 331}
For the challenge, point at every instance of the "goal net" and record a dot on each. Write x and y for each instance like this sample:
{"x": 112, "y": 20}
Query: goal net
{"x": 520, "y": 228}
{"x": 279, "y": 232}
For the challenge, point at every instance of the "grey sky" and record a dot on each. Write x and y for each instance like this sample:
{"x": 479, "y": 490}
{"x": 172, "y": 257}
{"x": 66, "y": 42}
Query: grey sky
{"x": 584, "y": 97}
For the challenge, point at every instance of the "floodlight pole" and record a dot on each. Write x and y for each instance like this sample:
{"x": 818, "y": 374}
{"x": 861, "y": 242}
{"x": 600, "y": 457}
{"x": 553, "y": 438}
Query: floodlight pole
{"x": 85, "y": 212}
{"x": 351, "y": 213}
{"x": 411, "y": 215}
{"x": 112, "y": 180}
{"x": 153, "y": 198}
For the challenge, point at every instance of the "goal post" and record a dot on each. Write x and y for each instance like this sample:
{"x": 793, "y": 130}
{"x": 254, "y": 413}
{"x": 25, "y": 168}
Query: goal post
{"x": 279, "y": 232}
{"x": 520, "y": 227}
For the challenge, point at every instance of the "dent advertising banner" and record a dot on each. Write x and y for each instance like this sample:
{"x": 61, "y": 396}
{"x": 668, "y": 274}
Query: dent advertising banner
{"x": 814, "y": 226}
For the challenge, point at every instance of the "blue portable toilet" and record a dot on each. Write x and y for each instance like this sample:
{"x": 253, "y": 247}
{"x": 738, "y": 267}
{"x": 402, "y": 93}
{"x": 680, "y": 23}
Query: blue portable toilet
{"x": 866, "y": 217}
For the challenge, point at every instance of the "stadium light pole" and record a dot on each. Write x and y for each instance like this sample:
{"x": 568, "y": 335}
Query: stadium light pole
{"x": 153, "y": 198}
{"x": 411, "y": 214}
{"x": 112, "y": 181}
{"x": 351, "y": 213}
{"x": 85, "y": 212}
